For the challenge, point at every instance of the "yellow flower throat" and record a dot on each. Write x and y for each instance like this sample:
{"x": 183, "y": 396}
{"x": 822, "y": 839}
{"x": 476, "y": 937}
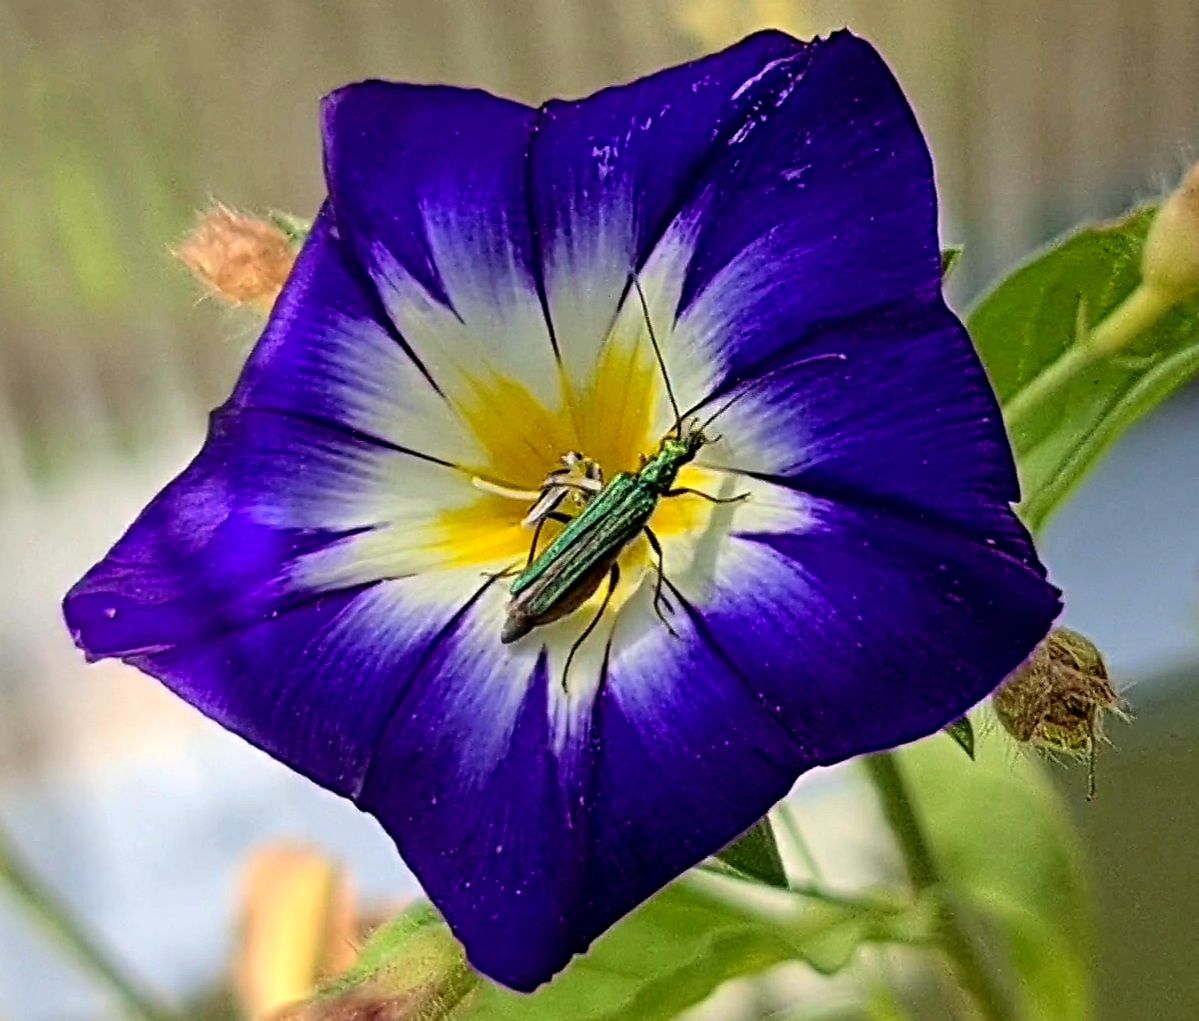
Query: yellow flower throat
{"x": 609, "y": 421}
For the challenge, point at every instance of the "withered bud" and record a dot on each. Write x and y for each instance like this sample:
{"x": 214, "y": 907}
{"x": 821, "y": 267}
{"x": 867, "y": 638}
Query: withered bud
{"x": 1170, "y": 259}
{"x": 1057, "y": 700}
{"x": 241, "y": 259}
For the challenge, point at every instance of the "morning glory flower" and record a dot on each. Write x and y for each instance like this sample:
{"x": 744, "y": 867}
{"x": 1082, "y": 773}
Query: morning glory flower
{"x": 329, "y": 578}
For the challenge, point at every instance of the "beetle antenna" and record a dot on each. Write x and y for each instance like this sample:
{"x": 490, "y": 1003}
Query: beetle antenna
{"x": 747, "y": 388}
{"x": 723, "y": 408}
{"x": 674, "y": 404}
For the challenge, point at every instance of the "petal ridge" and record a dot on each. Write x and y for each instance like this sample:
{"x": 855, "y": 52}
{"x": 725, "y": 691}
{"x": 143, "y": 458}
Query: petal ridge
{"x": 431, "y": 649}
{"x": 350, "y": 432}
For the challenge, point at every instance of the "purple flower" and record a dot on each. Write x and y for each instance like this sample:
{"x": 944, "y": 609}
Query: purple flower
{"x": 322, "y": 578}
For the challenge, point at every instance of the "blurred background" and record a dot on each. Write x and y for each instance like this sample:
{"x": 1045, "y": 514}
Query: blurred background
{"x": 120, "y": 118}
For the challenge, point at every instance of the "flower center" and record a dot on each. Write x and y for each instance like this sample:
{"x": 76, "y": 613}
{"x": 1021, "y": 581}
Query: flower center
{"x": 564, "y": 489}
{"x": 536, "y": 457}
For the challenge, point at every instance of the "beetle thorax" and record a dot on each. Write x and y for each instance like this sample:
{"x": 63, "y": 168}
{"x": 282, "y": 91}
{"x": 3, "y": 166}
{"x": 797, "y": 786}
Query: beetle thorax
{"x": 662, "y": 469}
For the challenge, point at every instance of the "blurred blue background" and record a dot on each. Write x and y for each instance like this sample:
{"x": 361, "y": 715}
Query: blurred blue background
{"x": 119, "y": 118}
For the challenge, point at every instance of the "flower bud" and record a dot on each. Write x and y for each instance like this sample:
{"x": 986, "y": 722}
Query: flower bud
{"x": 1170, "y": 259}
{"x": 411, "y": 969}
{"x": 297, "y": 929}
{"x": 1057, "y": 700}
{"x": 242, "y": 259}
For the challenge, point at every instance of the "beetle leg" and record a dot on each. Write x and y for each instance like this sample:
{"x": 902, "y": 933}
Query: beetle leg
{"x": 688, "y": 491}
{"x": 613, "y": 581}
{"x": 550, "y": 516}
{"x": 659, "y": 599}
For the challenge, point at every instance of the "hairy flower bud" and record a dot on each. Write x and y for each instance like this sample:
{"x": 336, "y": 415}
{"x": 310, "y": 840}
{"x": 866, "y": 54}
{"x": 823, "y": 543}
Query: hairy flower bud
{"x": 1057, "y": 700}
{"x": 1170, "y": 260}
{"x": 242, "y": 259}
{"x": 411, "y": 969}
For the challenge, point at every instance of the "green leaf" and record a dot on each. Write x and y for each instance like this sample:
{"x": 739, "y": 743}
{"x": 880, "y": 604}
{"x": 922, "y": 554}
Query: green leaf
{"x": 677, "y": 949}
{"x": 755, "y": 854}
{"x": 296, "y": 228}
{"x": 668, "y": 955}
{"x": 1035, "y": 314}
{"x": 949, "y": 261}
{"x": 963, "y": 733}
{"x": 1006, "y": 849}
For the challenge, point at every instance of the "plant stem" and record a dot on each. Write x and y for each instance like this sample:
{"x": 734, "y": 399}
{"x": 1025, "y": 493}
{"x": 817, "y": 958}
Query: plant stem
{"x": 976, "y": 978}
{"x": 1127, "y": 321}
{"x": 867, "y": 902}
{"x": 56, "y": 921}
{"x": 790, "y": 826}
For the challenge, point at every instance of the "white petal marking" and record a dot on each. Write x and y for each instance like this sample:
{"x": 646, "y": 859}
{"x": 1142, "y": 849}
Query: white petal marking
{"x": 496, "y": 328}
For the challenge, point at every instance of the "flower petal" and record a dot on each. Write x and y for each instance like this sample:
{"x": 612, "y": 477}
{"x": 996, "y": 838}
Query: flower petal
{"x": 610, "y": 172}
{"x": 891, "y": 410}
{"x": 328, "y": 355}
{"x": 863, "y": 629}
{"x": 531, "y": 849}
{"x": 820, "y": 207}
{"x": 309, "y": 678}
{"x": 529, "y": 879}
{"x": 250, "y": 584}
{"x": 428, "y": 187}
{"x": 212, "y": 591}
{"x": 759, "y": 193}
{"x": 489, "y": 818}
{"x": 675, "y": 710}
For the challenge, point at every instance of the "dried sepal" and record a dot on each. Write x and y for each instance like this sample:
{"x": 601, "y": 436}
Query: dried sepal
{"x": 241, "y": 259}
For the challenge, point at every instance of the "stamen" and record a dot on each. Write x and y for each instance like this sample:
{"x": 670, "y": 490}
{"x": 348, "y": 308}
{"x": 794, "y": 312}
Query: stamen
{"x": 545, "y": 506}
{"x": 556, "y": 489}
{"x": 509, "y": 492}
{"x": 580, "y": 479}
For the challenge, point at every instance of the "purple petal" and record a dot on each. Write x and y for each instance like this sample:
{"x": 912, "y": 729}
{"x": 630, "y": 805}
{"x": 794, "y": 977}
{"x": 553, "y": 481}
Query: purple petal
{"x": 311, "y": 680}
{"x": 890, "y": 411}
{"x": 609, "y": 173}
{"x": 820, "y": 207}
{"x": 395, "y": 153}
{"x": 672, "y": 709}
{"x": 223, "y": 587}
{"x": 531, "y": 848}
{"x": 208, "y": 595}
{"x": 467, "y": 781}
{"x": 865, "y": 629}
{"x": 330, "y": 355}
{"x": 428, "y": 185}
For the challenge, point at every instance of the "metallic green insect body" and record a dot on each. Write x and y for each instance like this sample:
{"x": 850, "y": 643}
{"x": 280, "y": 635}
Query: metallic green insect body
{"x": 571, "y": 568}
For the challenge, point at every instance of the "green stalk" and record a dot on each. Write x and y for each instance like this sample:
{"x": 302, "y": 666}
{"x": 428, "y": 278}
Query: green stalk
{"x": 984, "y": 987}
{"x": 1132, "y": 317}
{"x": 790, "y": 826}
{"x": 54, "y": 918}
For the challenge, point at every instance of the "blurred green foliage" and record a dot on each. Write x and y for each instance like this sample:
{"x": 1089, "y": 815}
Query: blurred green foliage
{"x": 668, "y": 955}
{"x": 755, "y": 855}
{"x": 1008, "y": 853}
